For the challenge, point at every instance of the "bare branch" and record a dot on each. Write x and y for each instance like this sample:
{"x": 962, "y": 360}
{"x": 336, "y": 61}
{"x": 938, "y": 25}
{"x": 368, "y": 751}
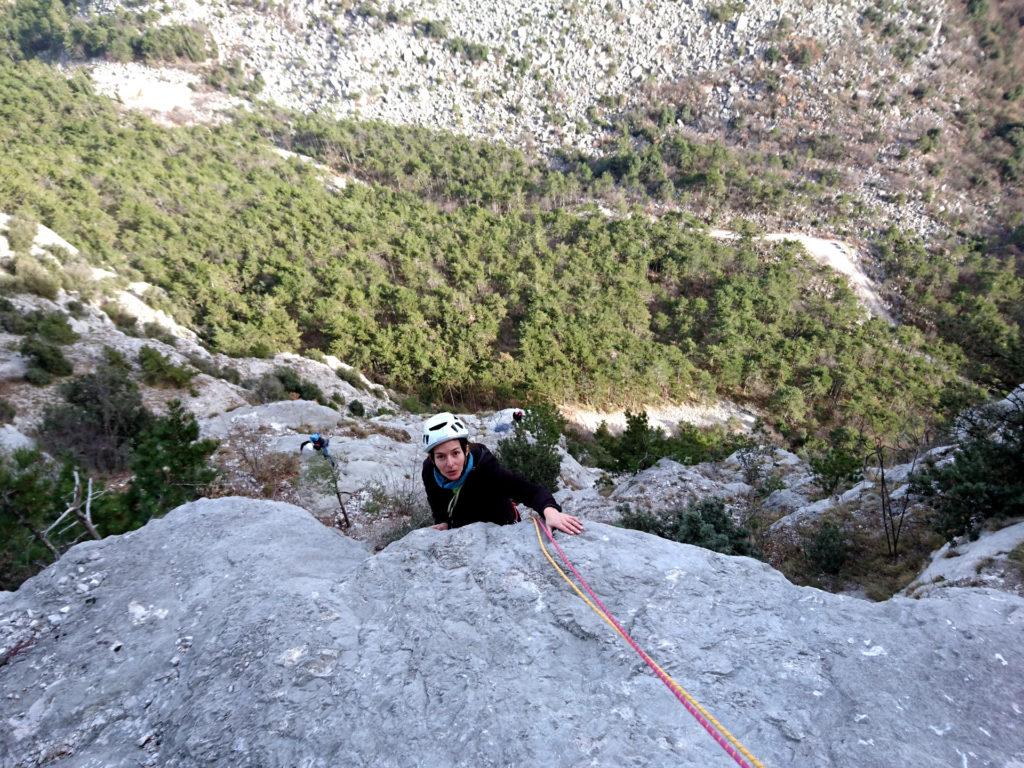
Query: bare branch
{"x": 40, "y": 536}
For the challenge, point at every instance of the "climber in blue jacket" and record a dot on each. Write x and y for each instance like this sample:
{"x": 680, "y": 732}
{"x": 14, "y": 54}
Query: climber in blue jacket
{"x": 320, "y": 444}
{"x": 466, "y": 484}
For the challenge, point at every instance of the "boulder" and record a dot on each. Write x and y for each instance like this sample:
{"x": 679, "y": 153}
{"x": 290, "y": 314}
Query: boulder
{"x": 241, "y": 632}
{"x": 784, "y": 500}
{"x": 11, "y": 439}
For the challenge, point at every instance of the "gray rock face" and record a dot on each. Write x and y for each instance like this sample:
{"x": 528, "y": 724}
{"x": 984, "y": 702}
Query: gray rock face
{"x": 784, "y": 499}
{"x": 236, "y": 632}
{"x": 11, "y": 439}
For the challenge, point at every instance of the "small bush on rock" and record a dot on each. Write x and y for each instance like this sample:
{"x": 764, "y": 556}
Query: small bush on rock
{"x": 351, "y": 376}
{"x": 33, "y": 277}
{"x": 531, "y": 451}
{"x": 21, "y": 233}
{"x": 985, "y": 481}
{"x": 46, "y": 360}
{"x": 641, "y": 445}
{"x": 159, "y": 333}
{"x": 159, "y": 371}
{"x": 101, "y": 415}
{"x": 827, "y": 549}
{"x": 283, "y": 384}
{"x": 169, "y": 463}
{"x": 208, "y": 366}
{"x": 704, "y": 523}
{"x": 125, "y": 322}
{"x": 51, "y": 326}
{"x": 839, "y": 463}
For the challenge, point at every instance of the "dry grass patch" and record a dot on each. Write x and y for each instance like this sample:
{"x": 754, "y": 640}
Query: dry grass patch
{"x": 868, "y": 566}
{"x": 250, "y": 468}
{"x": 362, "y": 429}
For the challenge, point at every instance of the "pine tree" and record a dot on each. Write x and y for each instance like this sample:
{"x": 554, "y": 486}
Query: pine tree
{"x": 531, "y": 450}
{"x": 169, "y": 464}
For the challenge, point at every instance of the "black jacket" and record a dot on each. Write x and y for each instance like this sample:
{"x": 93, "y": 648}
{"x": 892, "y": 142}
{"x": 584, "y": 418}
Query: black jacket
{"x": 487, "y": 494}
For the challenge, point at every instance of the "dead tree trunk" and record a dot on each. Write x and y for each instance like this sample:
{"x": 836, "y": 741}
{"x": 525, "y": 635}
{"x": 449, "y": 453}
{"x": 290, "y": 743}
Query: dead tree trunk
{"x": 893, "y": 516}
{"x": 80, "y": 510}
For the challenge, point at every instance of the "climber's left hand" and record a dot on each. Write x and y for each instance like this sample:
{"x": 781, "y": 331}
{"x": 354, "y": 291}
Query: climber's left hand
{"x": 562, "y": 522}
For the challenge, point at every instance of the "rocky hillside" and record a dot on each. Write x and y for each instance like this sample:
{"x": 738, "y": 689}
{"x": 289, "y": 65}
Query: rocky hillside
{"x": 241, "y": 632}
{"x": 378, "y": 460}
{"x": 260, "y": 410}
{"x": 906, "y": 110}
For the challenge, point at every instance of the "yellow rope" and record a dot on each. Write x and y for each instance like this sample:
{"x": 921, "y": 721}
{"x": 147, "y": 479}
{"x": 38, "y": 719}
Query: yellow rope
{"x": 682, "y": 691}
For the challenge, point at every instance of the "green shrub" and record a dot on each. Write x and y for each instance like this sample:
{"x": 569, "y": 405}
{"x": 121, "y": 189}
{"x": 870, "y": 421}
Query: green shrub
{"x": 638, "y": 447}
{"x": 101, "y": 414}
{"x": 474, "y": 52}
{"x": 7, "y": 411}
{"x": 33, "y": 277}
{"x": 11, "y": 320}
{"x": 413, "y": 404}
{"x": 34, "y": 492}
{"x": 173, "y": 42}
{"x": 694, "y": 445}
{"x": 45, "y": 356}
{"x": 584, "y": 447}
{"x": 51, "y": 326}
{"x": 37, "y": 377}
{"x": 531, "y": 450}
{"x": 726, "y": 11}
{"x": 269, "y": 389}
{"x": 929, "y": 141}
{"x": 170, "y": 468}
{"x": 295, "y": 384}
{"x": 1017, "y": 554}
{"x": 827, "y": 549}
{"x": 839, "y": 463}
{"x": 356, "y": 408}
{"x": 351, "y": 376}
{"x": 986, "y": 479}
{"x": 703, "y": 523}
{"x": 208, "y": 366}
{"x": 125, "y": 322}
{"x": 153, "y": 330}
{"x": 233, "y": 78}
{"x": 431, "y": 28}
{"x": 21, "y": 233}
{"x": 169, "y": 463}
{"x": 159, "y": 371}
{"x": 283, "y": 384}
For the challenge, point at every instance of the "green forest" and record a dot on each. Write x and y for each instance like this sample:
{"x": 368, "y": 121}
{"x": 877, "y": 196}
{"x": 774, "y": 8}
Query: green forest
{"x": 442, "y": 295}
{"x": 467, "y": 274}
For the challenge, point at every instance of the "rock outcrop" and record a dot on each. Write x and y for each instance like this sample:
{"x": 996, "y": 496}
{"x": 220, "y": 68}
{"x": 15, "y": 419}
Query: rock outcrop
{"x": 238, "y": 632}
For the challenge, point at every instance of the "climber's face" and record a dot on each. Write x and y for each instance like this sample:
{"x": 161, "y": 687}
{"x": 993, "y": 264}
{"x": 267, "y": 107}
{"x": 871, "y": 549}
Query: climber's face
{"x": 449, "y": 458}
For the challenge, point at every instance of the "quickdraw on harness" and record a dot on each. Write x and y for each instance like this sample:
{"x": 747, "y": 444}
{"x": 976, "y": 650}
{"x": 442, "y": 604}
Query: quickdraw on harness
{"x": 718, "y": 732}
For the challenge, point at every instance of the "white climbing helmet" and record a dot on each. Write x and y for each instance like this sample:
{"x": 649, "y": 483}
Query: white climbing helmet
{"x": 441, "y": 428}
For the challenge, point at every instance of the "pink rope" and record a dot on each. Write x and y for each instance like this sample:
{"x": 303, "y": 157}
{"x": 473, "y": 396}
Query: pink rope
{"x": 729, "y": 749}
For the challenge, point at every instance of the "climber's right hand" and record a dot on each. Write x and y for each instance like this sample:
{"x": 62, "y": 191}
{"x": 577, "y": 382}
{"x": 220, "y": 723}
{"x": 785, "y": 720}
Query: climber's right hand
{"x": 440, "y": 527}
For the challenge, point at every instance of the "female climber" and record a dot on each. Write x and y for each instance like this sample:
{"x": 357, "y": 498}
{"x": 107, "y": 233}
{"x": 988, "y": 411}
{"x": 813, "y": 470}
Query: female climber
{"x": 466, "y": 484}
